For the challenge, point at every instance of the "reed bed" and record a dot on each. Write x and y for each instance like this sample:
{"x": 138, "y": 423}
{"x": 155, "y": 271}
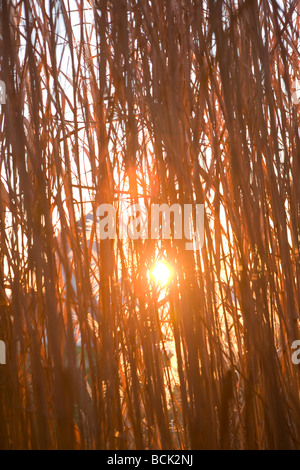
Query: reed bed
{"x": 150, "y": 101}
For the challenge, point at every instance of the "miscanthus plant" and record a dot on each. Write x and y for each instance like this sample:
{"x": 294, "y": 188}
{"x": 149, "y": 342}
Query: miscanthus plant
{"x": 141, "y": 344}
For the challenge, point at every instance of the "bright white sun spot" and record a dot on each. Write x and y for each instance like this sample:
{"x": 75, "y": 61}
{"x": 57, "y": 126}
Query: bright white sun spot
{"x": 161, "y": 273}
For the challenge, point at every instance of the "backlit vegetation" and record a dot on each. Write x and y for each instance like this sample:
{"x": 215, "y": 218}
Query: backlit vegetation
{"x": 150, "y": 101}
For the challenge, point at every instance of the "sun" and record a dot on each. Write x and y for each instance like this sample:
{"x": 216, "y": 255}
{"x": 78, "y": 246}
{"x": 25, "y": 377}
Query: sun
{"x": 161, "y": 273}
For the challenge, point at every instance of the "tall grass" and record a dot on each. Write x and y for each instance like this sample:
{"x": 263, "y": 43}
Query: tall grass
{"x": 157, "y": 101}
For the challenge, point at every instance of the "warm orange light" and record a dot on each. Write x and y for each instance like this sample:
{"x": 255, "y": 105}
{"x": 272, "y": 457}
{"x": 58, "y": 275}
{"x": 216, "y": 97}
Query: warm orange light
{"x": 161, "y": 273}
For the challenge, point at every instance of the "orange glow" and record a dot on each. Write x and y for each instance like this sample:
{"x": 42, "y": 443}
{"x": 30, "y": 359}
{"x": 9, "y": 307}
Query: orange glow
{"x": 161, "y": 273}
